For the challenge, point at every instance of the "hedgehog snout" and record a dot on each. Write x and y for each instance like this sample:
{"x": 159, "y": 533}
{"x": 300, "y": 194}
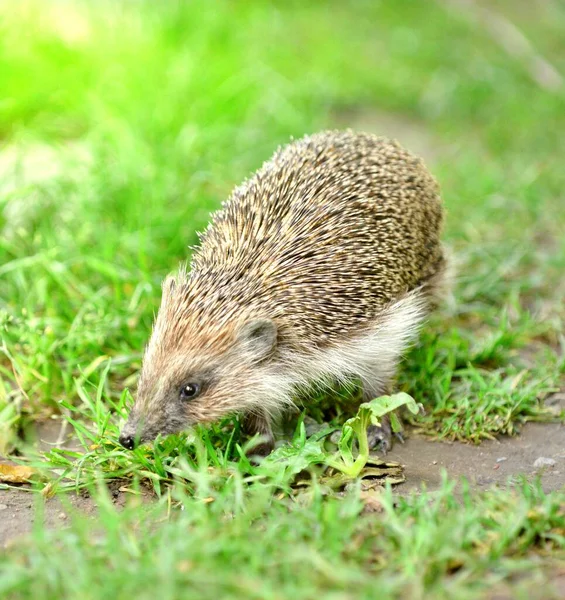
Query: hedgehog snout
{"x": 127, "y": 441}
{"x": 129, "y": 435}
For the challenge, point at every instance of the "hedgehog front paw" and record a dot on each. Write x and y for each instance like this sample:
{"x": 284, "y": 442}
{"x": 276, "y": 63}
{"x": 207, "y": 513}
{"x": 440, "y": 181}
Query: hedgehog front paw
{"x": 262, "y": 449}
{"x": 379, "y": 438}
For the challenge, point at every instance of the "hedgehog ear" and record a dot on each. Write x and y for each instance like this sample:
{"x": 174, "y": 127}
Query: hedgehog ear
{"x": 258, "y": 338}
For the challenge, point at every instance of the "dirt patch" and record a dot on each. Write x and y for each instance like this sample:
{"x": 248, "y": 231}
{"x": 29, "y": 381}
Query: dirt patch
{"x": 18, "y": 512}
{"x": 21, "y": 509}
{"x": 492, "y": 463}
{"x": 539, "y": 451}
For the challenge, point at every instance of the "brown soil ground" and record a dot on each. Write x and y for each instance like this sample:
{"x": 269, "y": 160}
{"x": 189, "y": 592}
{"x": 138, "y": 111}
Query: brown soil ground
{"x": 495, "y": 462}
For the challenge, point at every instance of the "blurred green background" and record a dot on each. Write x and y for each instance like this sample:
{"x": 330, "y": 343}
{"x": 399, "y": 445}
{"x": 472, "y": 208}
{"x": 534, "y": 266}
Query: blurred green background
{"x": 122, "y": 124}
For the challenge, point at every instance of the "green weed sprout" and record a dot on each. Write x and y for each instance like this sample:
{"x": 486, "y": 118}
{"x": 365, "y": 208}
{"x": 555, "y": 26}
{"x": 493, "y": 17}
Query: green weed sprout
{"x": 369, "y": 413}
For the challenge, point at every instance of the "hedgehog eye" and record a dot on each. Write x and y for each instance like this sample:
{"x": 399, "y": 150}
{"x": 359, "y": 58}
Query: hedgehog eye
{"x": 189, "y": 391}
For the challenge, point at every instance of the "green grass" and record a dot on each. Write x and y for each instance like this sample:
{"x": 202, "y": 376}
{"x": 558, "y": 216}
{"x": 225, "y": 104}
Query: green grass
{"x": 236, "y": 545}
{"x": 121, "y": 127}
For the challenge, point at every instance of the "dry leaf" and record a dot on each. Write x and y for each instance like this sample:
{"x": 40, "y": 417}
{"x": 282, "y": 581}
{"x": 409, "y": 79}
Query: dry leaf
{"x": 15, "y": 473}
{"x": 374, "y": 474}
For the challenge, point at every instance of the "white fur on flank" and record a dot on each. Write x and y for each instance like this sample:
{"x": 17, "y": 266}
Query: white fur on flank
{"x": 372, "y": 357}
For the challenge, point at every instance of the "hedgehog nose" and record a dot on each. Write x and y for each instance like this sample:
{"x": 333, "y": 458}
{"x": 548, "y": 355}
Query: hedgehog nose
{"x": 127, "y": 441}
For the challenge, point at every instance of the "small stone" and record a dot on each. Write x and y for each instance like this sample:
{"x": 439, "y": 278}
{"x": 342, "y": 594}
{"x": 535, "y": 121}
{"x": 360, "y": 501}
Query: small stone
{"x": 434, "y": 462}
{"x": 542, "y": 461}
{"x": 501, "y": 459}
{"x": 62, "y": 515}
{"x": 3, "y": 506}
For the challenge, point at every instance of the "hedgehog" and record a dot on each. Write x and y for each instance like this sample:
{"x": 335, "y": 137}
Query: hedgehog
{"x": 318, "y": 270}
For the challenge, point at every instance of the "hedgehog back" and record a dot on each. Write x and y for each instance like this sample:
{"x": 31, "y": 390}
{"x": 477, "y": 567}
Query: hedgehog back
{"x": 321, "y": 238}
